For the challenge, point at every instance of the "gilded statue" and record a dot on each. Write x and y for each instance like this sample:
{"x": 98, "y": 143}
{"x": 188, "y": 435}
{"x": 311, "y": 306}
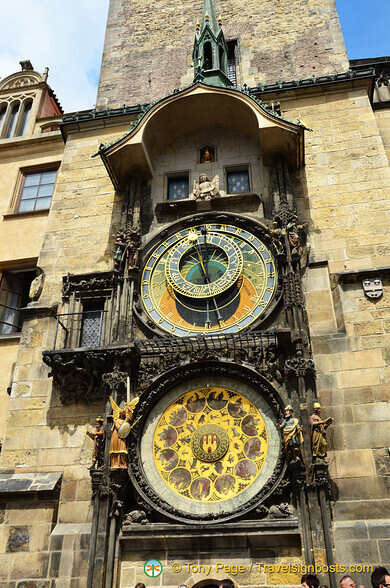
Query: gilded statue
{"x": 206, "y": 189}
{"x": 292, "y": 434}
{"x": 207, "y": 156}
{"x": 318, "y": 426}
{"x": 121, "y": 427}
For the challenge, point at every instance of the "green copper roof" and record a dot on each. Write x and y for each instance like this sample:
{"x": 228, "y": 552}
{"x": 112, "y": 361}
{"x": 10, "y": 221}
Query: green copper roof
{"x": 210, "y": 50}
{"x": 209, "y": 17}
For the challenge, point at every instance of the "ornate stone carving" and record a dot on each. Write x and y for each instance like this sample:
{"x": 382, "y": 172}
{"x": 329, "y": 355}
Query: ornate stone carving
{"x": 298, "y": 366}
{"x": 79, "y": 374}
{"x": 281, "y": 511}
{"x": 20, "y": 80}
{"x": 86, "y": 283}
{"x": 205, "y": 189}
{"x": 115, "y": 380}
{"x": 135, "y": 517}
{"x": 36, "y": 287}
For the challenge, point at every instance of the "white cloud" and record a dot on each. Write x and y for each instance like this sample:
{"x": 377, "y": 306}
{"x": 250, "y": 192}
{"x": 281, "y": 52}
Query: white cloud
{"x": 66, "y": 36}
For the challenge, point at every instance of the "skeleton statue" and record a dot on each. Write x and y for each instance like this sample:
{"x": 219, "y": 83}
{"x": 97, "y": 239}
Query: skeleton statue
{"x": 206, "y": 189}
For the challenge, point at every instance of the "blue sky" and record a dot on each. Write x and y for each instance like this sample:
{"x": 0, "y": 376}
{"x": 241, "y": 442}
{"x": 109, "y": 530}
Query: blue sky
{"x": 68, "y": 37}
{"x": 365, "y": 25}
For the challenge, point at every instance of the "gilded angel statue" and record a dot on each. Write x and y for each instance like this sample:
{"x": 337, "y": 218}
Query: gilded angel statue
{"x": 121, "y": 427}
{"x": 206, "y": 189}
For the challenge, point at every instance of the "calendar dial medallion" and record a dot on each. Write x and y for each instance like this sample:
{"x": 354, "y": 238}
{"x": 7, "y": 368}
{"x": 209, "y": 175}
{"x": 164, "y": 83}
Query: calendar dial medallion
{"x": 208, "y": 279}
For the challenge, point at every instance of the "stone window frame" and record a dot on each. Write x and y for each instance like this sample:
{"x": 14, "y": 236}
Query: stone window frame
{"x": 234, "y": 169}
{"x": 20, "y": 184}
{"x": 79, "y": 293}
{"x": 173, "y": 175}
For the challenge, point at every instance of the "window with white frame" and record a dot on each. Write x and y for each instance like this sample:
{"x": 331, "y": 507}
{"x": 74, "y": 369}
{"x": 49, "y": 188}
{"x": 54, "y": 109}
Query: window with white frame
{"x": 36, "y": 190}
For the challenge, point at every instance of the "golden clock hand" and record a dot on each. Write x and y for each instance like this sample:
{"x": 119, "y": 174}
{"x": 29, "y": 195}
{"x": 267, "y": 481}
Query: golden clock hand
{"x": 206, "y": 277}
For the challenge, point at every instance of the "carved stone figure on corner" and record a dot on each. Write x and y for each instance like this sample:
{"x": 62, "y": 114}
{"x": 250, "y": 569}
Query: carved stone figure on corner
{"x": 297, "y": 238}
{"x": 278, "y": 238}
{"x": 206, "y": 189}
{"x": 281, "y": 511}
{"x": 36, "y": 287}
{"x": 133, "y": 250}
{"x": 318, "y": 426}
{"x": 292, "y": 434}
{"x": 99, "y": 442}
{"x": 134, "y": 517}
{"x": 121, "y": 253}
{"x": 120, "y": 429}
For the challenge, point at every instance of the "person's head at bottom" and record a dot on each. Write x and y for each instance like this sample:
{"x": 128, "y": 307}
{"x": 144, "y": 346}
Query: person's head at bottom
{"x": 347, "y": 582}
{"x": 309, "y": 581}
{"x": 380, "y": 578}
{"x": 226, "y": 584}
{"x": 140, "y": 585}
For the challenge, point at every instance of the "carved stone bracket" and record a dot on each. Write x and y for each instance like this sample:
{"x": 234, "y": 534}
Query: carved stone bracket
{"x": 87, "y": 283}
{"x": 115, "y": 380}
{"x": 299, "y": 367}
{"x": 79, "y": 374}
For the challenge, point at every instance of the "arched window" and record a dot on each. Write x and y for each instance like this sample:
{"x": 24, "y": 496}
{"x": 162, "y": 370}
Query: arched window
{"x": 12, "y": 118}
{"x": 3, "y": 110}
{"x": 11, "y": 122}
{"x": 23, "y": 119}
{"x": 207, "y": 56}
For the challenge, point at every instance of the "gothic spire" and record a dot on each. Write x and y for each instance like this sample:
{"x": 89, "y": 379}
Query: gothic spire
{"x": 209, "y": 17}
{"x": 210, "y": 49}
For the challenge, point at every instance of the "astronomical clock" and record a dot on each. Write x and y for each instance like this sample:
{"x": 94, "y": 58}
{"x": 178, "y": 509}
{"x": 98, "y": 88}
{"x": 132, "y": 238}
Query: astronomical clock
{"x": 208, "y": 279}
{"x": 208, "y": 442}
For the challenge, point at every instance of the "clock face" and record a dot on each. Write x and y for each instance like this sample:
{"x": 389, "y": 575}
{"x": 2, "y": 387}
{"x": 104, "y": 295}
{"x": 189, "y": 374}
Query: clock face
{"x": 210, "y": 444}
{"x": 208, "y": 279}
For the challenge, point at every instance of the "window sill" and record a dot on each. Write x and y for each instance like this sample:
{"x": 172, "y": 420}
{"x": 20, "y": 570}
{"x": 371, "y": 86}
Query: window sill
{"x": 11, "y": 215}
{"x": 170, "y": 209}
{"x": 11, "y": 337}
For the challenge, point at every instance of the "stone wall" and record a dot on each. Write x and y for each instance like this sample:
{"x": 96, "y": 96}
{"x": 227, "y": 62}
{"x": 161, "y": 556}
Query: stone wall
{"x": 343, "y": 192}
{"x": 43, "y": 435}
{"x": 383, "y": 122}
{"x": 275, "y": 42}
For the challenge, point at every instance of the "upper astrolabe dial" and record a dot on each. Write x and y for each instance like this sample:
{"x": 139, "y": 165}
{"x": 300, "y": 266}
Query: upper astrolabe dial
{"x": 202, "y": 266}
{"x": 208, "y": 279}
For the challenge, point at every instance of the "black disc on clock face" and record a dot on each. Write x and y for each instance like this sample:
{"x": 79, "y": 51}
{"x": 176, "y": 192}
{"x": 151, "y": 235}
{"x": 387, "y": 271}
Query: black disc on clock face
{"x": 208, "y": 279}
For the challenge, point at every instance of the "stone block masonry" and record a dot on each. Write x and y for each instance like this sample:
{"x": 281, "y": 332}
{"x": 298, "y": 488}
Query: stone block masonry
{"x": 148, "y": 46}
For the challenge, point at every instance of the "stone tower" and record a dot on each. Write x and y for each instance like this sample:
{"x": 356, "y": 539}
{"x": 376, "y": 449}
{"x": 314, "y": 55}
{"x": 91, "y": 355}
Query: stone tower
{"x": 286, "y": 41}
